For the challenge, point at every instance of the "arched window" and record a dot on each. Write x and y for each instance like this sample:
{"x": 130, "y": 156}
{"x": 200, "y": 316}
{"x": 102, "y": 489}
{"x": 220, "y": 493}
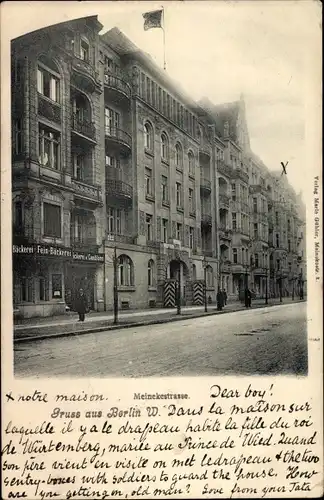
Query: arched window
{"x": 48, "y": 79}
{"x": 125, "y": 271}
{"x": 191, "y": 160}
{"x": 209, "y": 277}
{"x": 178, "y": 151}
{"x": 150, "y": 273}
{"x": 148, "y": 136}
{"x": 164, "y": 147}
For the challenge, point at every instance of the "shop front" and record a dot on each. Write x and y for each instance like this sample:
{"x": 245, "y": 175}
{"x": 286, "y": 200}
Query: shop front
{"x": 43, "y": 278}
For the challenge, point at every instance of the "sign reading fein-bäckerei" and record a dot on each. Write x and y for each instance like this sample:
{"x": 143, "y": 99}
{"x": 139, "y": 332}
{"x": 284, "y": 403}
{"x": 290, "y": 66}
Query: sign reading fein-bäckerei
{"x": 56, "y": 251}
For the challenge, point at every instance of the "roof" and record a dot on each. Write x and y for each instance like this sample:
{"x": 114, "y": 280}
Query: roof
{"x": 125, "y": 48}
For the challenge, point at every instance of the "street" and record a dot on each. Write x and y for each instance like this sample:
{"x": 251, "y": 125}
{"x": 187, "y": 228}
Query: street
{"x": 261, "y": 341}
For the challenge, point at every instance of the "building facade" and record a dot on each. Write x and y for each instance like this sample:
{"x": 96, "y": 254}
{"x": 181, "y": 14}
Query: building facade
{"x": 110, "y": 157}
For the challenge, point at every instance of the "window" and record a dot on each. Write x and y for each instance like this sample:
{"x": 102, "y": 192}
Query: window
{"x": 148, "y": 182}
{"x": 164, "y": 189}
{"x": 52, "y": 220}
{"x": 84, "y": 51}
{"x": 57, "y": 286}
{"x": 179, "y": 231}
{"x": 191, "y": 160}
{"x": 19, "y": 217}
{"x": 277, "y": 241}
{"x": 125, "y": 271}
{"x": 49, "y": 148}
{"x": 235, "y": 255}
{"x": 112, "y": 161}
{"x": 289, "y": 225}
{"x": 194, "y": 272}
{"x": 256, "y": 260}
{"x": 255, "y": 230}
{"x": 234, "y": 192}
{"x": 209, "y": 277}
{"x": 234, "y": 224}
{"x": 289, "y": 246}
{"x": 112, "y": 120}
{"x": 78, "y": 166}
{"x": 150, "y": 273}
{"x": 148, "y": 137}
{"x": 179, "y": 194}
{"x": 43, "y": 288}
{"x": 277, "y": 218}
{"x": 164, "y": 147}
{"x": 255, "y": 205}
{"x": 191, "y": 237}
{"x": 148, "y": 227}
{"x": 278, "y": 264}
{"x": 48, "y": 84}
{"x": 17, "y": 139}
{"x": 191, "y": 200}
{"x": 26, "y": 289}
{"x": 114, "y": 220}
{"x": 164, "y": 230}
{"x": 178, "y": 151}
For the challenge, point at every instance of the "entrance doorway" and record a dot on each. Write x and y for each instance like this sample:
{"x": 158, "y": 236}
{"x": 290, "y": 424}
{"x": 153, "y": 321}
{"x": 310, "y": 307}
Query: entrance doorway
{"x": 174, "y": 268}
{"x": 76, "y": 277}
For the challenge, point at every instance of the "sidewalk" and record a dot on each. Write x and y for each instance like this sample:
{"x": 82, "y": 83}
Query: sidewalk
{"x": 60, "y": 326}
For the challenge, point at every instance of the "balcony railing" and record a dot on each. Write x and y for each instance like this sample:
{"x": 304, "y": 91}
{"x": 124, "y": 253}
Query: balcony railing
{"x": 119, "y": 188}
{"x": 224, "y": 200}
{"x": 117, "y": 84}
{"x": 85, "y": 73}
{"x": 85, "y": 244}
{"x": 224, "y": 169}
{"x": 118, "y": 135}
{"x": 207, "y": 253}
{"x": 49, "y": 109}
{"x": 240, "y": 174}
{"x": 206, "y": 219}
{"x": 120, "y": 238}
{"x": 225, "y": 266}
{"x": 87, "y": 190}
{"x": 205, "y": 184}
{"x": 225, "y": 232}
{"x": 83, "y": 127}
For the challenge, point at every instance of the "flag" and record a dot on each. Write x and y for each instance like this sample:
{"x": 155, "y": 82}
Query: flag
{"x": 153, "y": 19}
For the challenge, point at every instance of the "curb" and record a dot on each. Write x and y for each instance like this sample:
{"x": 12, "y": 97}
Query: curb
{"x": 106, "y": 328}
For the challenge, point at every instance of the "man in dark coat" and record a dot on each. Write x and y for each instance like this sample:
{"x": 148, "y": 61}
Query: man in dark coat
{"x": 247, "y": 298}
{"x": 81, "y": 305}
{"x": 219, "y": 299}
{"x": 225, "y": 297}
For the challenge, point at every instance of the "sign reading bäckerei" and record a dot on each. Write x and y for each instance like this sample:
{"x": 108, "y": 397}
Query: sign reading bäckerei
{"x": 56, "y": 251}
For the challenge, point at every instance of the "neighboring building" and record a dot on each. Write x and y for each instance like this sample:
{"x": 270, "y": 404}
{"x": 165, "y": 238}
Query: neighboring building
{"x": 109, "y": 153}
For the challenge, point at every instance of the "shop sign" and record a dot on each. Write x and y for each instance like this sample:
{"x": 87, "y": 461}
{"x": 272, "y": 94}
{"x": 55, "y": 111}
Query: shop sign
{"x": 88, "y": 257}
{"x": 56, "y": 251}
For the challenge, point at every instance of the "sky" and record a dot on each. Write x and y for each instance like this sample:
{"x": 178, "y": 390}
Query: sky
{"x": 263, "y": 49}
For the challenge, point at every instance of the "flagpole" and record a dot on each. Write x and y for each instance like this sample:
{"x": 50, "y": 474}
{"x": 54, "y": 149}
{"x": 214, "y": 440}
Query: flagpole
{"x": 164, "y": 59}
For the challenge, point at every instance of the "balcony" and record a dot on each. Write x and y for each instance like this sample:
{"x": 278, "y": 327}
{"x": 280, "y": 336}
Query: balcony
{"x": 84, "y": 245}
{"x": 207, "y": 252}
{"x": 118, "y": 139}
{"x": 224, "y": 200}
{"x": 225, "y": 233}
{"x": 86, "y": 191}
{"x": 49, "y": 109}
{"x": 240, "y": 174}
{"x": 84, "y": 74}
{"x": 206, "y": 220}
{"x": 258, "y": 188}
{"x": 205, "y": 186}
{"x": 83, "y": 128}
{"x": 225, "y": 266}
{"x": 224, "y": 169}
{"x": 116, "y": 89}
{"x": 120, "y": 238}
{"x": 119, "y": 190}
{"x": 239, "y": 269}
{"x": 260, "y": 271}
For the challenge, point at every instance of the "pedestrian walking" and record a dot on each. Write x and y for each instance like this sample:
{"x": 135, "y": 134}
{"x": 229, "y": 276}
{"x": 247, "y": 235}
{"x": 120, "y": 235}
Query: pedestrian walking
{"x": 81, "y": 305}
{"x": 219, "y": 299}
{"x": 225, "y": 297}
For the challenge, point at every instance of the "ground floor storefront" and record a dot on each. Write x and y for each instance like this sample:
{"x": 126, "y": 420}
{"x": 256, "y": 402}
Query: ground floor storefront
{"x": 47, "y": 279}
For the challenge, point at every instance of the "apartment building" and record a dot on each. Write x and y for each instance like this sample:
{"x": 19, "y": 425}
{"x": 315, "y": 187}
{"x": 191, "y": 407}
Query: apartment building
{"x": 110, "y": 156}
